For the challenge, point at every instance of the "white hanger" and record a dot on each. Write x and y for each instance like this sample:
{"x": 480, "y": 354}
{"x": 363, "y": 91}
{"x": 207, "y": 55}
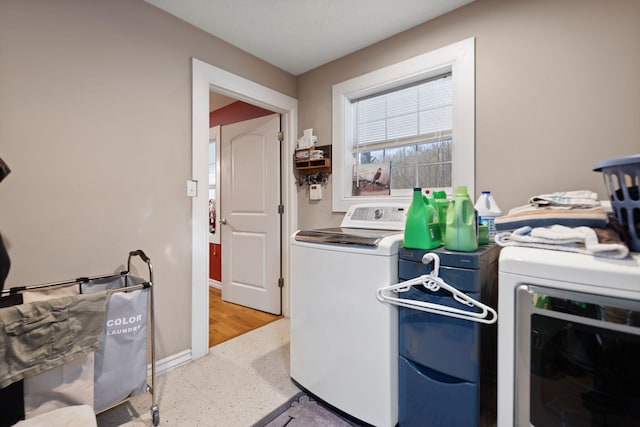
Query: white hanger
{"x": 433, "y": 283}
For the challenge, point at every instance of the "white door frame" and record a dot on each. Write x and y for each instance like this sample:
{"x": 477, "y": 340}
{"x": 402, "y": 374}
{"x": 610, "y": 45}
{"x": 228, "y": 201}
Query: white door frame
{"x": 208, "y": 78}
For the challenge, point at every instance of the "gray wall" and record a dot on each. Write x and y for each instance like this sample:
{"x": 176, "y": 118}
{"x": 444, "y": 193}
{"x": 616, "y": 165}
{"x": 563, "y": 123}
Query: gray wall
{"x": 557, "y": 90}
{"x": 95, "y": 123}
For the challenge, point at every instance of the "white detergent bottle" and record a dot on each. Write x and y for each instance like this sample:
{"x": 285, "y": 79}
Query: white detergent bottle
{"x": 488, "y": 210}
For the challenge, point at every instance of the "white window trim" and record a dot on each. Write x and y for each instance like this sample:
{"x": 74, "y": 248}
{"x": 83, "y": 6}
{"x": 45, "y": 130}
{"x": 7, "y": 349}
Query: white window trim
{"x": 459, "y": 59}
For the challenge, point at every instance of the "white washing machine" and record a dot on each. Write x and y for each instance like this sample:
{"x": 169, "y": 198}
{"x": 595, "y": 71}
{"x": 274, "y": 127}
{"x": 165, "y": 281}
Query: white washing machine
{"x": 344, "y": 347}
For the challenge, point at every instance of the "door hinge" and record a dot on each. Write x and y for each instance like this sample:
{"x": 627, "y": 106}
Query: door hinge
{"x": 281, "y": 282}
{"x": 281, "y": 209}
{"x": 280, "y": 136}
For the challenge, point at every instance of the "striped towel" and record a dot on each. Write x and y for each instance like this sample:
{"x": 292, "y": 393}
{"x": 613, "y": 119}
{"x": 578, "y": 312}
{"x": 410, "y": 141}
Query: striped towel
{"x": 533, "y": 216}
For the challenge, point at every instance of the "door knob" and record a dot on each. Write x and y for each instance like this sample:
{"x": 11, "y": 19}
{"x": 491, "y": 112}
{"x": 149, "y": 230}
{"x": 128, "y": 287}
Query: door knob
{"x": 223, "y": 221}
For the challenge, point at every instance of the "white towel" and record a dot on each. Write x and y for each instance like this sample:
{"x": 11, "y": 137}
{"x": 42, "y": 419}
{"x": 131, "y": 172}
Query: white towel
{"x": 560, "y": 238}
{"x": 576, "y": 199}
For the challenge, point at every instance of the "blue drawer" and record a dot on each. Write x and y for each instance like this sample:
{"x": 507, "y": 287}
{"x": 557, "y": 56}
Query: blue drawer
{"x": 477, "y": 260}
{"x": 463, "y": 279}
{"x": 427, "y": 398}
{"x": 443, "y": 343}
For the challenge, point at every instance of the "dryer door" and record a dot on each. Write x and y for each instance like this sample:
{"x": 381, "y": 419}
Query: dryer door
{"x": 577, "y": 359}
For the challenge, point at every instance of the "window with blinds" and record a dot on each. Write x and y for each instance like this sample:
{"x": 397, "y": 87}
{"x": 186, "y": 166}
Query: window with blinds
{"x": 407, "y": 130}
{"x": 408, "y": 124}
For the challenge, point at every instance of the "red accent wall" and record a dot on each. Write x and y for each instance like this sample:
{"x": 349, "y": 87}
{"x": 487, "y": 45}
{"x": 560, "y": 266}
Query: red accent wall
{"x": 236, "y": 112}
{"x": 215, "y": 262}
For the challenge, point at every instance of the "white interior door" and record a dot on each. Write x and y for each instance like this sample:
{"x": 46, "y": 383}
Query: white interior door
{"x": 250, "y": 218}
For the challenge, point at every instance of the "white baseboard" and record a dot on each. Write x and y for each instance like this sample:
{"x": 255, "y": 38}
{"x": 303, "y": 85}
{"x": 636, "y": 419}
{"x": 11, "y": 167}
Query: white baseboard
{"x": 168, "y": 363}
{"x": 215, "y": 284}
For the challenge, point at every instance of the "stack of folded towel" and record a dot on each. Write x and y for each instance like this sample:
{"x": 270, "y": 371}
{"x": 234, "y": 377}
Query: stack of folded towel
{"x": 597, "y": 242}
{"x": 573, "y": 221}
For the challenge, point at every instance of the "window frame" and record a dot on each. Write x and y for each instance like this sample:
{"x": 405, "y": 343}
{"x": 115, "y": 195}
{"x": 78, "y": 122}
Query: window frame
{"x": 457, "y": 58}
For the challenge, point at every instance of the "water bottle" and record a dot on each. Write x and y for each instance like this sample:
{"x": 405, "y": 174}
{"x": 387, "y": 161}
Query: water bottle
{"x": 461, "y": 233}
{"x": 488, "y": 210}
{"x": 442, "y": 204}
{"x": 419, "y": 232}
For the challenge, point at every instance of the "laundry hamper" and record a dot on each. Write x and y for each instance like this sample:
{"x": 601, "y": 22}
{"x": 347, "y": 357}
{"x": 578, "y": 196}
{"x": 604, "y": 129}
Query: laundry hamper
{"x": 120, "y": 368}
{"x": 107, "y": 374}
{"x": 622, "y": 180}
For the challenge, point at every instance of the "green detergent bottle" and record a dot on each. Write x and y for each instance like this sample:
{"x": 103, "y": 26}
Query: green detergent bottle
{"x": 418, "y": 230}
{"x": 433, "y": 218}
{"x": 443, "y": 205}
{"x": 461, "y": 223}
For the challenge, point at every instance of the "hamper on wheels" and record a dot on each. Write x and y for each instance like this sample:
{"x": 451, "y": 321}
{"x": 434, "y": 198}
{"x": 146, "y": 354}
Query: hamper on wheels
{"x": 104, "y": 376}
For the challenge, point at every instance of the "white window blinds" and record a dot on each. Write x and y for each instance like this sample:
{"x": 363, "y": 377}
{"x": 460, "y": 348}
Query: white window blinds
{"x": 420, "y": 111}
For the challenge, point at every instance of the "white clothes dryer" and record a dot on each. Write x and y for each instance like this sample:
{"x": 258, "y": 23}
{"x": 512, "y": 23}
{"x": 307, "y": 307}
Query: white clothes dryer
{"x": 568, "y": 339}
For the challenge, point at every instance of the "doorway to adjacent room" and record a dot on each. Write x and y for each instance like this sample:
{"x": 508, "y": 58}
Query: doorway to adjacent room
{"x": 243, "y": 148}
{"x": 207, "y": 78}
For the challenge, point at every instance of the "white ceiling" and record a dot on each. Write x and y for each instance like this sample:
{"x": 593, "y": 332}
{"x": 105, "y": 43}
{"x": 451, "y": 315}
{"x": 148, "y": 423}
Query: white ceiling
{"x": 300, "y": 35}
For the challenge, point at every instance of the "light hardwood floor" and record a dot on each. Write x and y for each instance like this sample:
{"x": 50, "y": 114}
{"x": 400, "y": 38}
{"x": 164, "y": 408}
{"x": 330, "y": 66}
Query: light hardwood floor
{"x": 227, "y": 320}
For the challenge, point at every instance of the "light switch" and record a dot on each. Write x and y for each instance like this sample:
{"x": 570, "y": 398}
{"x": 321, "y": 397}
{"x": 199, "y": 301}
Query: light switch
{"x": 192, "y": 188}
{"x": 315, "y": 192}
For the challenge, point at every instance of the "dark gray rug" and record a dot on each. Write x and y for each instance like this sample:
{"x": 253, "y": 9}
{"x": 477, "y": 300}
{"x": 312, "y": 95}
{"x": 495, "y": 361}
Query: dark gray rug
{"x": 303, "y": 411}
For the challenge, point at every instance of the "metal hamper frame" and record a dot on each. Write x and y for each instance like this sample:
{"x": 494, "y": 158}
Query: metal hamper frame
{"x": 125, "y": 277}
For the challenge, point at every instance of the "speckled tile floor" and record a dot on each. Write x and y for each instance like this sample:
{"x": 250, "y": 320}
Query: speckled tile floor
{"x": 236, "y": 384}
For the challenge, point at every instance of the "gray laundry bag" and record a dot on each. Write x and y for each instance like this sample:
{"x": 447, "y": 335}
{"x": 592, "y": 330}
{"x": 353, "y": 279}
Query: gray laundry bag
{"x": 120, "y": 368}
